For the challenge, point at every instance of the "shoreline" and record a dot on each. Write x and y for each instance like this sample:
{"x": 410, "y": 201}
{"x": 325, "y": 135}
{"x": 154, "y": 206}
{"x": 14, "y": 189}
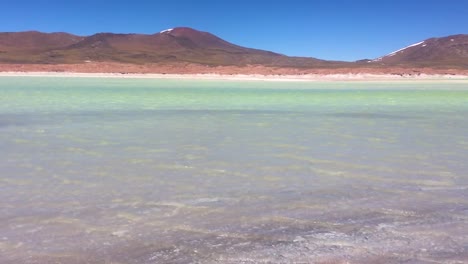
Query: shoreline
{"x": 358, "y": 77}
{"x": 245, "y": 73}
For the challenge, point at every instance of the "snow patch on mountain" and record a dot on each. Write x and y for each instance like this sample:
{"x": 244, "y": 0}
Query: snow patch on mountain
{"x": 166, "y": 30}
{"x": 395, "y": 52}
{"x": 400, "y": 50}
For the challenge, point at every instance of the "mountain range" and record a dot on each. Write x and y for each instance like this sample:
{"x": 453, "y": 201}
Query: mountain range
{"x": 187, "y": 45}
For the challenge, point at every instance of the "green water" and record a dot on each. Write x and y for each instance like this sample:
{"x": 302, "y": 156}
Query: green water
{"x": 23, "y": 95}
{"x": 182, "y": 171}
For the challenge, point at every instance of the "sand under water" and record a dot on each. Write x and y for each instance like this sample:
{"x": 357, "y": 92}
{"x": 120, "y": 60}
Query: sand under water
{"x": 96, "y": 170}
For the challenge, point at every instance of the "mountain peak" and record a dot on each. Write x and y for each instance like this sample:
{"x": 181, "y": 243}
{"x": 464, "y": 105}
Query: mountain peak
{"x": 187, "y": 32}
{"x": 180, "y": 30}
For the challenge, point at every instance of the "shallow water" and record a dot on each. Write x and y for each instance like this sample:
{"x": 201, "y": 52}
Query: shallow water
{"x": 166, "y": 171}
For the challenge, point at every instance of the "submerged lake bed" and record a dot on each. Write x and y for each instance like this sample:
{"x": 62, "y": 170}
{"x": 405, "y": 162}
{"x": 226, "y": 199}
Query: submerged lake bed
{"x": 108, "y": 170}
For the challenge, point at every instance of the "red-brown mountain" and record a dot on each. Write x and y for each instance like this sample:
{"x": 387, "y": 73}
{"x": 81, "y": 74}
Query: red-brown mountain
{"x": 188, "y": 45}
{"x": 34, "y": 40}
{"x": 173, "y": 45}
{"x": 451, "y": 51}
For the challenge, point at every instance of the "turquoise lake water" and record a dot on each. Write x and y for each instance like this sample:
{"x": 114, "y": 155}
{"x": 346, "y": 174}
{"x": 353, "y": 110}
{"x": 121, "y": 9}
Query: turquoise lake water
{"x": 104, "y": 170}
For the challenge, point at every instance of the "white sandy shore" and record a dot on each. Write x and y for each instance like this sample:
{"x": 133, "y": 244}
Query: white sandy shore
{"x": 252, "y": 77}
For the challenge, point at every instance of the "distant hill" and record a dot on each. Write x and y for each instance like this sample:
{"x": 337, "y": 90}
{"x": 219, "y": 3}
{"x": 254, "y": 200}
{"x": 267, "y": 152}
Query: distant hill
{"x": 32, "y": 46}
{"x": 451, "y": 51}
{"x": 187, "y": 45}
{"x": 34, "y": 40}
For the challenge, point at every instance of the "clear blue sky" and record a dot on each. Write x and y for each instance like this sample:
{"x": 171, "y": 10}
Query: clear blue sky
{"x": 333, "y": 29}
